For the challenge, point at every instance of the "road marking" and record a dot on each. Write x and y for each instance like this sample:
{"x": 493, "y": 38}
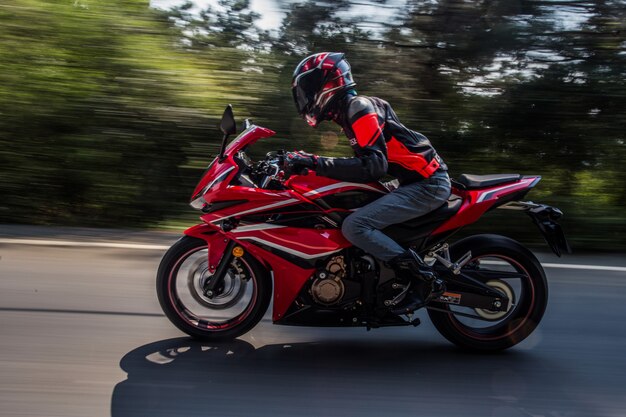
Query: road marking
{"x": 588, "y": 267}
{"x": 114, "y": 245}
{"x": 568, "y": 266}
{"x": 41, "y": 242}
{"x": 69, "y": 311}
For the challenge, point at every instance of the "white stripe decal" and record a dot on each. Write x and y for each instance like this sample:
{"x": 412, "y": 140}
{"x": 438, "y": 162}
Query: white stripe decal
{"x": 340, "y": 185}
{"x": 254, "y": 210}
{"x": 486, "y": 193}
{"x": 258, "y": 226}
{"x": 288, "y": 250}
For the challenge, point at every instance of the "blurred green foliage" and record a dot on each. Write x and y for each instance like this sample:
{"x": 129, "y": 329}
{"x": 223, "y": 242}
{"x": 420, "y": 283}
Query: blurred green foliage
{"x": 109, "y": 110}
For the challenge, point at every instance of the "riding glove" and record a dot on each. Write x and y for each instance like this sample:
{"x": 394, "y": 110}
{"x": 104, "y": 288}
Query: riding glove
{"x": 297, "y": 162}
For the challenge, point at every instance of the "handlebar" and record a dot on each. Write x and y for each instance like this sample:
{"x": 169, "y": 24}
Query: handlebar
{"x": 271, "y": 172}
{"x": 270, "y": 169}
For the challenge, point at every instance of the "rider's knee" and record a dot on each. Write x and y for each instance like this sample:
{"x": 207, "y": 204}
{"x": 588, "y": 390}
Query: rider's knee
{"x": 348, "y": 228}
{"x": 352, "y": 227}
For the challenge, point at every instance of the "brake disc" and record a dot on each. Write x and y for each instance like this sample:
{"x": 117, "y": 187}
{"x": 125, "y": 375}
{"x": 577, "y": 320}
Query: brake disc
{"x": 234, "y": 287}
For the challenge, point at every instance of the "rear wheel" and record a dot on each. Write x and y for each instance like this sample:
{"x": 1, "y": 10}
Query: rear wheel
{"x": 515, "y": 272}
{"x": 240, "y": 304}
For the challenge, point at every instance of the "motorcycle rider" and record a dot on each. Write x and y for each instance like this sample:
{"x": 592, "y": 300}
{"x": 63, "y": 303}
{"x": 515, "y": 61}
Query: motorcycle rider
{"x": 323, "y": 89}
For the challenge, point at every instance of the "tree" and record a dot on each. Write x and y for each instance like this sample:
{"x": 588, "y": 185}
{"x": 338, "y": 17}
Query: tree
{"x": 91, "y": 106}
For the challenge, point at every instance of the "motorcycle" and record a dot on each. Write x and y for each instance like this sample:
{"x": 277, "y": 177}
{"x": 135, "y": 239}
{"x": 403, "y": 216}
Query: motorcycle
{"x": 268, "y": 235}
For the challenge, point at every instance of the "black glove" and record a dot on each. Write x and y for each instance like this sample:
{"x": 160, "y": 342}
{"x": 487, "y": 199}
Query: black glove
{"x": 298, "y": 162}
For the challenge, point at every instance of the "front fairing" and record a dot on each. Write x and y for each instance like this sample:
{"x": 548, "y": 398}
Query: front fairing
{"x": 220, "y": 172}
{"x": 247, "y": 138}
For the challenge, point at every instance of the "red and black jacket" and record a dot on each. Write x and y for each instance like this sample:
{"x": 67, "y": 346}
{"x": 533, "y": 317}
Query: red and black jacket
{"x": 381, "y": 144}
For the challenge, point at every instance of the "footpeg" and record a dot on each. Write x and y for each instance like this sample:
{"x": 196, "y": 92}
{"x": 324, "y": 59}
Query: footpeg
{"x": 461, "y": 263}
{"x": 455, "y": 267}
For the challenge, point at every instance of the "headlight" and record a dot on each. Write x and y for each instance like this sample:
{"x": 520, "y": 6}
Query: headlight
{"x": 198, "y": 203}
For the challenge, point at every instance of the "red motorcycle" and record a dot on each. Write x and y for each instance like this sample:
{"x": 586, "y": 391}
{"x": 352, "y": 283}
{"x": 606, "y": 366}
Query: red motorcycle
{"x": 262, "y": 226}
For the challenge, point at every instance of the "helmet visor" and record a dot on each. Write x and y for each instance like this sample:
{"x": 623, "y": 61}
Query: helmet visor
{"x": 305, "y": 86}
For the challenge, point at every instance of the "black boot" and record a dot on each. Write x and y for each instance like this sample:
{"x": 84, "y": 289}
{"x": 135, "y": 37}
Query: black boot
{"x": 423, "y": 283}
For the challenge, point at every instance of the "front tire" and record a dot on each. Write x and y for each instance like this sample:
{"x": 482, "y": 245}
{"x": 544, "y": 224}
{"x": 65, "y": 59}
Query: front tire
{"x": 530, "y": 302}
{"x": 202, "y": 318}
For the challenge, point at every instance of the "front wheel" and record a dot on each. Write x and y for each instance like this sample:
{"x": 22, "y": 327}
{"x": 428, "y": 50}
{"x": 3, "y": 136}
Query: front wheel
{"x": 516, "y": 273}
{"x": 239, "y": 306}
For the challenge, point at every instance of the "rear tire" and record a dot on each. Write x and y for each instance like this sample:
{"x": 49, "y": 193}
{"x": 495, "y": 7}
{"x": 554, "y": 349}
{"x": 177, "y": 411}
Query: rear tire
{"x": 525, "y": 316}
{"x": 209, "y": 326}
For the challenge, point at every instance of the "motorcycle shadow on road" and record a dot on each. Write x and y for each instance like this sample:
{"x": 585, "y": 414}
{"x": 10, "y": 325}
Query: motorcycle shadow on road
{"x": 184, "y": 377}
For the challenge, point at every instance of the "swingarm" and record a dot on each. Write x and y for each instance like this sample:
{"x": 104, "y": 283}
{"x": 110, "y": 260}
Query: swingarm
{"x": 467, "y": 287}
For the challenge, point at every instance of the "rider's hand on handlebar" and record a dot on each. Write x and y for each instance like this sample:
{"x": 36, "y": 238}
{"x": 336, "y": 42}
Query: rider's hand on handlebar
{"x": 298, "y": 162}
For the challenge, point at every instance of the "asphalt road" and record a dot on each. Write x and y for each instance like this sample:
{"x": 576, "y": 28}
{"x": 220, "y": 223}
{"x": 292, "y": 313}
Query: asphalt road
{"x": 82, "y": 334}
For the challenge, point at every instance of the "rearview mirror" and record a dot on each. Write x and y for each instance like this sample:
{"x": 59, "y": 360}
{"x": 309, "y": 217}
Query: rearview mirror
{"x": 228, "y": 125}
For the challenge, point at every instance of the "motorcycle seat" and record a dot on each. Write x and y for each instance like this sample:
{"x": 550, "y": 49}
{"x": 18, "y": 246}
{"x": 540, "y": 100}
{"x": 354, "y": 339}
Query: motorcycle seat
{"x": 470, "y": 181}
{"x": 418, "y": 228}
{"x": 447, "y": 210}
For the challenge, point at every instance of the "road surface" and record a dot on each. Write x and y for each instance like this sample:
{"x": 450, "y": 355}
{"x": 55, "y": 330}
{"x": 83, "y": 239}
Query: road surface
{"x": 82, "y": 335}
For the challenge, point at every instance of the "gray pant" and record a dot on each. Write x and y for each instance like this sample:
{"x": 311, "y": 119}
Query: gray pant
{"x": 363, "y": 227}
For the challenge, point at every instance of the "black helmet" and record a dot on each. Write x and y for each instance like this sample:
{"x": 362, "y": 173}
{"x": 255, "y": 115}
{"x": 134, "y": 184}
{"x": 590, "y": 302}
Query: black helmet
{"x": 318, "y": 81}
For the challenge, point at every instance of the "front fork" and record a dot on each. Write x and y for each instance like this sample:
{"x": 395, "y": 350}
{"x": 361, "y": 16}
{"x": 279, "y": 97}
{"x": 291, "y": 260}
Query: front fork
{"x": 220, "y": 255}
{"x": 210, "y": 286}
